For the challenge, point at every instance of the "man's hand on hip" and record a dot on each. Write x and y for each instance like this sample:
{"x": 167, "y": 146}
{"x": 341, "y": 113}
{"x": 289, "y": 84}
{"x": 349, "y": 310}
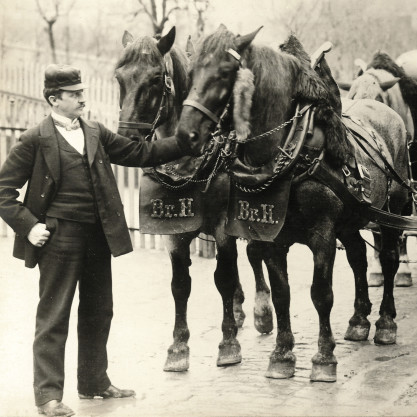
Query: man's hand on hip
{"x": 38, "y": 235}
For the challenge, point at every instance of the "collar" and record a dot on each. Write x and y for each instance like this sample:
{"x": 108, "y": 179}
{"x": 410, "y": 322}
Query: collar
{"x": 60, "y": 118}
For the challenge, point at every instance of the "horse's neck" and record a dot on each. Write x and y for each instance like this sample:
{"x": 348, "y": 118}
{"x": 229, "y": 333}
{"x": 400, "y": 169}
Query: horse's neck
{"x": 272, "y": 103}
{"x": 393, "y": 98}
{"x": 168, "y": 128}
{"x": 261, "y": 150}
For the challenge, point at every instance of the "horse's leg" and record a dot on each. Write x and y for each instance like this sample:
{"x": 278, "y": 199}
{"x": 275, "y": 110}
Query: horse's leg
{"x": 238, "y": 300}
{"x": 403, "y": 277}
{"x": 262, "y": 310}
{"x": 359, "y": 325}
{"x": 376, "y": 279}
{"x": 386, "y": 329}
{"x": 178, "y": 247}
{"x": 282, "y": 359}
{"x": 322, "y": 242}
{"x": 226, "y": 280}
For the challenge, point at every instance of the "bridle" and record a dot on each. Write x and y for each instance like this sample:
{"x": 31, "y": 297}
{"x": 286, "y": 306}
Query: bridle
{"x": 168, "y": 90}
{"x": 213, "y": 117}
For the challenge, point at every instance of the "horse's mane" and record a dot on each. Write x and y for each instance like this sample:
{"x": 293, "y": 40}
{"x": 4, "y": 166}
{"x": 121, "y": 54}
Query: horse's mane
{"x": 408, "y": 85}
{"x": 318, "y": 86}
{"x": 145, "y": 50}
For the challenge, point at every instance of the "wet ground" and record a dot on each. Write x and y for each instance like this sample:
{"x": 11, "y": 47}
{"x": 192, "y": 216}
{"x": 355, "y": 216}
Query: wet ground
{"x": 372, "y": 380}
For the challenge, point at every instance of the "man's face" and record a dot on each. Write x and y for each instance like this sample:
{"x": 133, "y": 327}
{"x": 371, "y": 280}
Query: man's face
{"x": 71, "y": 104}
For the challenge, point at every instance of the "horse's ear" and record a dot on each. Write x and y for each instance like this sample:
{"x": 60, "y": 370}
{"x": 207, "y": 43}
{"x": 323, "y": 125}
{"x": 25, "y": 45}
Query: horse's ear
{"x": 242, "y": 102}
{"x": 361, "y": 64}
{"x": 386, "y": 85}
{"x": 344, "y": 85}
{"x": 189, "y": 49}
{"x": 165, "y": 43}
{"x": 242, "y": 42}
{"x": 127, "y": 38}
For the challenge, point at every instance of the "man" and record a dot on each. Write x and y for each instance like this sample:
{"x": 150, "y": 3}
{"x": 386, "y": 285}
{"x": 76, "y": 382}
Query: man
{"x": 70, "y": 223}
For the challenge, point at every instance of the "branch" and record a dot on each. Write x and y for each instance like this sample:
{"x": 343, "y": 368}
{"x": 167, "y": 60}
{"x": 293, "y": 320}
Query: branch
{"x": 172, "y": 10}
{"x": 146, "y": 10}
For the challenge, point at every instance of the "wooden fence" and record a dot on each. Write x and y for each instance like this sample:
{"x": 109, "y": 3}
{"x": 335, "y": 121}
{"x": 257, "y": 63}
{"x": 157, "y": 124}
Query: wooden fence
{"x": 22, "y": 106}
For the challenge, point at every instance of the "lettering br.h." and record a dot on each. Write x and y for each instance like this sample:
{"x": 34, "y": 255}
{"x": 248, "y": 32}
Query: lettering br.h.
{"x": 181, "y": 209}
{"x": 264, "y": 214}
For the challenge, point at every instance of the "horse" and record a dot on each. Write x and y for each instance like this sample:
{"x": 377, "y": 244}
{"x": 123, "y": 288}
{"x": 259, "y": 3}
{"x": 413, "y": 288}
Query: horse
{"x": 384, "y": 80}
{"x": 408, "y": 62}
{"x": 265, "y": 91}
{"x": 153, "y": 79}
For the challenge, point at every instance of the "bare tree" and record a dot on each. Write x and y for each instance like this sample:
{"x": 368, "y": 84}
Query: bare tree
{"x": 159, "y": 12}
{"x": 50, "y": 17}
{"x": 201, "y": 7}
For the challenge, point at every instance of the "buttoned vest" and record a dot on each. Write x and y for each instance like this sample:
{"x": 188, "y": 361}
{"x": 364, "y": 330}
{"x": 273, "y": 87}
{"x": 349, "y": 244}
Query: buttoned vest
{"x": 74, "y": 199}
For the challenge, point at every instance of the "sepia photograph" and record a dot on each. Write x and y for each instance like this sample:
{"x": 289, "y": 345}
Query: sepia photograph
{"x": 208, "y": 208}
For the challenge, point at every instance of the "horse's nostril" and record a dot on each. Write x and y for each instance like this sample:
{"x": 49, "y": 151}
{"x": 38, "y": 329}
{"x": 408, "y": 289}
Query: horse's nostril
{"x": 193, "y": 136}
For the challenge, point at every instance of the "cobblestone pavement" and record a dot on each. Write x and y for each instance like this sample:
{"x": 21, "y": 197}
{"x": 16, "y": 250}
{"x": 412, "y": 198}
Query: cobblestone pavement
{"x": 372, "y": 380}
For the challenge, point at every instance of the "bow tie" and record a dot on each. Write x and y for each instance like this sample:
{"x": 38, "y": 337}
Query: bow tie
{"x": 74, "y": 125}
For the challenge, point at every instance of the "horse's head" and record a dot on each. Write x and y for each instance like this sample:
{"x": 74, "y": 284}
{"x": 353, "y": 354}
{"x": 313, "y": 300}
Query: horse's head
{"x": 372, "y": 84}
{"x": 215, "y": 66}
{"x": 145, "y": 74}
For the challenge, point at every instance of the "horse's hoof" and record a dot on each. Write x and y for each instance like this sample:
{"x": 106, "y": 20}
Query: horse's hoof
{"x": 323, "y": 372}
{"x": 239, "y": 315}
{"x": 385, "y": 336}
{"x": 280, "y": 370}
{"x": 357, "y": 333}
{"x": 375, "y": 279}
{"x": 229, "y": 353}
{"x": 262, "y": 313}
{"x": 263, "y": 322}
{"x": 281, "y": 365}
{"x": 403, "y": 279}
{"x": 178, "y": 358}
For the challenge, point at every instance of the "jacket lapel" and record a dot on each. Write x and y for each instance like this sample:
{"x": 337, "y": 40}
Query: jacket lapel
{"x": 49, "y": 146}
{"x": 91, "y": 134}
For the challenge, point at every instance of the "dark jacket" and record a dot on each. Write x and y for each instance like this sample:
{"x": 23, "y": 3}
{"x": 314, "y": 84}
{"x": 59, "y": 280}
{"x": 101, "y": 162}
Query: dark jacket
{"x": 35, "y": 159}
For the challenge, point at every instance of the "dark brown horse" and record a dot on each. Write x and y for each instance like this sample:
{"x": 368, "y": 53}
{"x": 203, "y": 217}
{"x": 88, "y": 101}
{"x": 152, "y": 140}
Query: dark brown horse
{"x": 153, "y": 78}
{"x": 262, "y": 89}
{"x": 385, "y": 81}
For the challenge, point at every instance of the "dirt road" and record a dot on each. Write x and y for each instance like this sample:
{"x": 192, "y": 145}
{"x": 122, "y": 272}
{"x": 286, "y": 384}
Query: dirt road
{"x": 372, "y": 380}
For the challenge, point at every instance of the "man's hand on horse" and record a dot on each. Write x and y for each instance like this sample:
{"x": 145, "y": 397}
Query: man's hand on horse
{"x": 38, "y": 235}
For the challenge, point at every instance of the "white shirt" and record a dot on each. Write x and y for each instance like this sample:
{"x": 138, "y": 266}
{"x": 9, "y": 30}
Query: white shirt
{"x": 74, "y": 137}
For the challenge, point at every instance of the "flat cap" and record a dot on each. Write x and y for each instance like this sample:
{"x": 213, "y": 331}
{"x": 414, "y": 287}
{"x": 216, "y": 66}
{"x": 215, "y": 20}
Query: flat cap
{"x": 63, "y": 77}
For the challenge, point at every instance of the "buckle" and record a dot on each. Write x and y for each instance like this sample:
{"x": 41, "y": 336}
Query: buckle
{"x": 346, "y": 171}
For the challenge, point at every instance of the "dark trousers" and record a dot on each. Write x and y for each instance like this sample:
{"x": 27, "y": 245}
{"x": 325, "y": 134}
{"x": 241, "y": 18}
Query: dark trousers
{"x": 75, "y": 253}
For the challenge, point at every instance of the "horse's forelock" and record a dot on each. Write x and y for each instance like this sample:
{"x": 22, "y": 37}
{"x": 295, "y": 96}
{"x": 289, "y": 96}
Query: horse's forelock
{"x": 143, "y": 49}
{"x": 214, "y": 45}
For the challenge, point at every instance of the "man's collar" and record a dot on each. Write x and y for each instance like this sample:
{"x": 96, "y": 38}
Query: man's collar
{"x": 60, "y": 118}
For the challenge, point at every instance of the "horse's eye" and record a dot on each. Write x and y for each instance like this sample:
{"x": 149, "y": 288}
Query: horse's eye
{"x": 224, "y": 74}
{"x": 156, "y": 80}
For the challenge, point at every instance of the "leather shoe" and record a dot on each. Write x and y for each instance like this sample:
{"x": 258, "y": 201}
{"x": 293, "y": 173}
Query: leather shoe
{"x": 110, "y": 392}
{"x": 55, "y": 408}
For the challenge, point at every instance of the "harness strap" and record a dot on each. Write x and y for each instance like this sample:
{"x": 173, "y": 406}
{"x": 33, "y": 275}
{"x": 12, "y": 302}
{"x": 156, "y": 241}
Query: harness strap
{"x": 365, "y": 136}
{"x": 371, "y": 213}
{"x": 204, "y": 110}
